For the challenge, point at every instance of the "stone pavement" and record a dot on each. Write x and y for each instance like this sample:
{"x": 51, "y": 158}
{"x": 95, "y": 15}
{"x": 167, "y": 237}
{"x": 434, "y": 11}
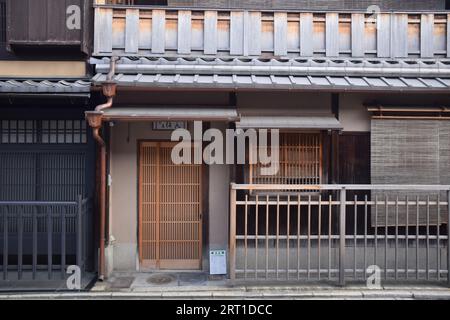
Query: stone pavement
{"x": 188, "y": 286}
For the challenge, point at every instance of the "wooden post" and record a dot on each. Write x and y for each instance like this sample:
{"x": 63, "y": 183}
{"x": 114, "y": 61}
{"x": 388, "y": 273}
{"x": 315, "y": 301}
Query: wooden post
{"x": 342, "y": 237}
{"x": 232, "y": 233}
{"x": 448, "y": 237}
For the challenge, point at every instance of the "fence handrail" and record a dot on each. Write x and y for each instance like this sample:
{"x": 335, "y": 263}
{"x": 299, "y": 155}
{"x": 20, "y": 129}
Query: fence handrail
{"x": 38, "y": 203}
{"x": 297, "y": 187}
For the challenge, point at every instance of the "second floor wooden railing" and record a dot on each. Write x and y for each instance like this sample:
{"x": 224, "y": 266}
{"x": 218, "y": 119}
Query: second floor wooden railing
{"x": 147, "y": 31}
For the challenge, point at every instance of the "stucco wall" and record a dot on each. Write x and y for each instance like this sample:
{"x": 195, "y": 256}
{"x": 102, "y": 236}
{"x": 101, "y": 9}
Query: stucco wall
{"x": 124, "y": 191}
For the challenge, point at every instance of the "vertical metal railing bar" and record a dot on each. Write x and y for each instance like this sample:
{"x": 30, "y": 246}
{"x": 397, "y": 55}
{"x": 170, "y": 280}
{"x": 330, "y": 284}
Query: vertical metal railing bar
{"x": 330, "y": 217}
{"x": 428, "y": 239}
{"x": 267, "y": 237}
{"x": 355, "y": 232}
{"x": 256, "y": 235}
{"x": 417, "y": 237}
{"x": 79, "y": 231}
{"x": 396, "y": 238}
{"x": 386, "y": 236}
{"x": 245, "y": 236}
{"x": 342, "y": 232}
{"x": 232, "y": 234}
{"x": 20, "y": 242}
{"x": 365, "y": 235}
{"x": 407, "y": 239}
{"x": 308, "y": 255}
{"x": 63, "y": 242}
{"x": 438, "y": 238}
{"x": 287, "y": 235}
{"x": 35, "y": 241}
{"x": 5, "y": 242}
{"x": 319, "y": 234}
{"x": 49, "y": 241}
{"x": 277, "y": 237}
{"x": 298, "y": 236}
{"x": 375, "y": 252}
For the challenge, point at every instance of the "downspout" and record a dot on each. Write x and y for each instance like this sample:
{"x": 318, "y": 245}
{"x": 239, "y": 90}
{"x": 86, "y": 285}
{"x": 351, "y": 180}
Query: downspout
{"x": 95, "y": 120}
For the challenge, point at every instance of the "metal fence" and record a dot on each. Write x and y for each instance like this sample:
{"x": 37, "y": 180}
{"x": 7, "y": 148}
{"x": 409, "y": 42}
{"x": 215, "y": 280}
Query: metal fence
{"x": 42, "y": 237}
{"x": 339, "y": 233}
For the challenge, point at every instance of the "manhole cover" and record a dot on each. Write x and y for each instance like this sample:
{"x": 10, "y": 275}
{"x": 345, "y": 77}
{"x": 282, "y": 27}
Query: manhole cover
{"x": 122, "y": 282}
{"x": 161, "y": 279}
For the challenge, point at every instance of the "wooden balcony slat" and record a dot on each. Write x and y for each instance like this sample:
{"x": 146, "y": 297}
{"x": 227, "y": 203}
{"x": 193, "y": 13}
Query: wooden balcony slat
{"x": 132, "y": 31}
{"x": 332, "y": 35}
{"x": 210, "y": 32}
{"x": 103, "y": 30}
{"x": 427, "y": 36}
{"x": 358, "y": 27}
{"x": 400, "y": 36}
{"x": 280, "y": 33}
{"x": 384, "y": 35}
{"x": 448, "y": 36}
{"x": 184, "y": 32}
{"x": 157, "y": 31}
{"x": 306, "y": 31}
{"x": 237, "y": 30}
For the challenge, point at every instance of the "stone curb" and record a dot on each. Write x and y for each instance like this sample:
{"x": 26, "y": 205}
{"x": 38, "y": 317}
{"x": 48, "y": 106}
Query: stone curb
{"x": 244, "y": 294}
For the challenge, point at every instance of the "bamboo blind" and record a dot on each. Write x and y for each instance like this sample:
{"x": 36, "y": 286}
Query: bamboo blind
{"x": 170, "y": 210}
{"x": 300, "y": 161}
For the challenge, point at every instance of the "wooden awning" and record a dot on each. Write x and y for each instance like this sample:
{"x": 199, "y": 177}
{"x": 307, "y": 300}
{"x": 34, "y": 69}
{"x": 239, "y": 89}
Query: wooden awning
{"x": 185, "y": 113}
{"x": 324, "y": 122}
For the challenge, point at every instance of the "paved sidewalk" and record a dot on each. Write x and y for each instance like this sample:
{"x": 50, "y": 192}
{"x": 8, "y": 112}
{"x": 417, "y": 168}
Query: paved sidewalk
{"x": 197, "y": 285}
{"x": 251, "y": 292}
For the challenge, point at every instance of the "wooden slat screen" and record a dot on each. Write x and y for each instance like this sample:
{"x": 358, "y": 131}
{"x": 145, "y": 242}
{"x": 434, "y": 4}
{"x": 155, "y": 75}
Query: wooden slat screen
{"x": 300, "y": 161}
{"x": 170, "y": 210}
{"x": 409, "y": 152}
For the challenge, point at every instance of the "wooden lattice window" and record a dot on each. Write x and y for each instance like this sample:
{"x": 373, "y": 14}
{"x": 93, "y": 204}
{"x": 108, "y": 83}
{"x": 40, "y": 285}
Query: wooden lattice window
{"x": 43, "y": 131}
{"x": 300, "y": 161}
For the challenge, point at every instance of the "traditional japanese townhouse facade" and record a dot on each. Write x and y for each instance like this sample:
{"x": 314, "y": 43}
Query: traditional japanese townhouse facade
{"x": 47, "y": 153}
{"x": 361, "y": 102}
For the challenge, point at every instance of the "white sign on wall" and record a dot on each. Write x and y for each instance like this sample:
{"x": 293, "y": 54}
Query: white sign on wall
{"x": 169, "y": 125}
{"x": 217, "y": 262}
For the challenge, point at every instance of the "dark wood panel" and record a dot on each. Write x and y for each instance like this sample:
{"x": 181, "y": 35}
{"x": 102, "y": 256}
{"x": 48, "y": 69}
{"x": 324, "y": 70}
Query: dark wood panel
{"x": 43, "y": 23}
{"x": 354, "y": 158}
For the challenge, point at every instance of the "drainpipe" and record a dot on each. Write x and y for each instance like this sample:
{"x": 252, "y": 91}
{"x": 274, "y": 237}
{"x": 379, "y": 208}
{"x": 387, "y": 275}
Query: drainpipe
{"x": 95, "y": 120}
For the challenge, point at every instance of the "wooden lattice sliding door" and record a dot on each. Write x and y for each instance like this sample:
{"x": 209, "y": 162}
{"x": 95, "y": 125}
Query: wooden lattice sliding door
{"x": 170, "y": 210}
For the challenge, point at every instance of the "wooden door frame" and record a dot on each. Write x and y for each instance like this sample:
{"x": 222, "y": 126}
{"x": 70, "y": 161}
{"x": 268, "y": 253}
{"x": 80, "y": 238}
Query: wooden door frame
{"x": 156, "y": 142}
